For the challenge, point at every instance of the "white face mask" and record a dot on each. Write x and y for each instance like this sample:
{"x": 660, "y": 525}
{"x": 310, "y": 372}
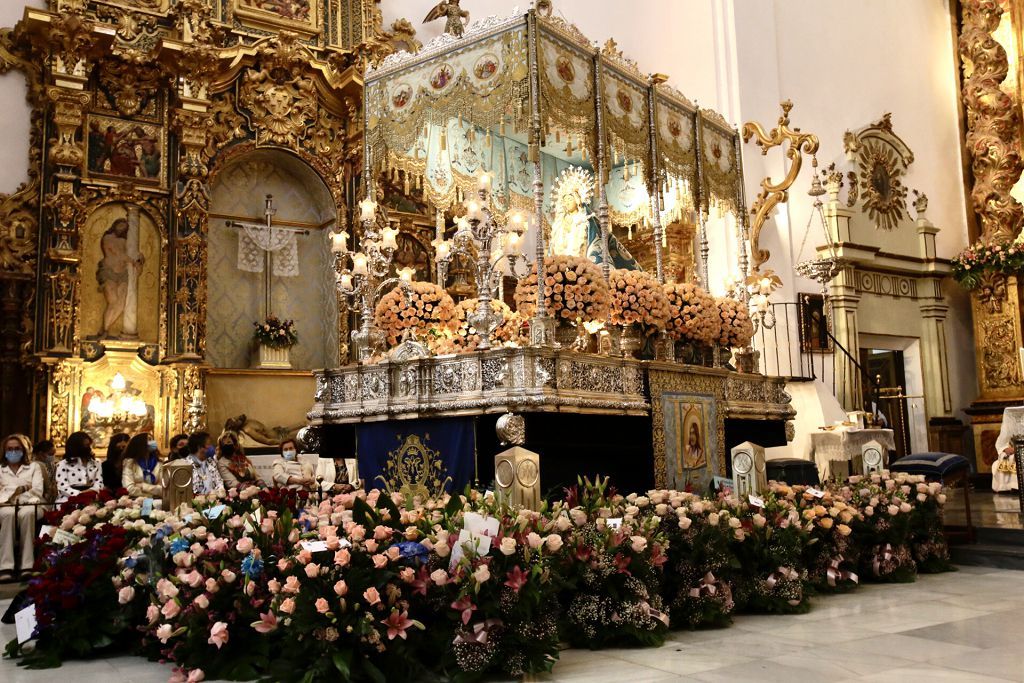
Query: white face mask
{"x": 289, "y": 454}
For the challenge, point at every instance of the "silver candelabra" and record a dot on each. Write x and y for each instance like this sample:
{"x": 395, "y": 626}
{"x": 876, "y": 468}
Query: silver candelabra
{"x": 365, "y": 279}
{"x": 480, "y": 229}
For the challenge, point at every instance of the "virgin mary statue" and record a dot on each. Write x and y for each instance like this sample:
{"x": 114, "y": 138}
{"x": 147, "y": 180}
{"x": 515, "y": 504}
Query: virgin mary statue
{"x": 575, "y": 230}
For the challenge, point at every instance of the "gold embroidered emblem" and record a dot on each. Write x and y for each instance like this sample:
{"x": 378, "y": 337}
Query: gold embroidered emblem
{"x": 414, "y": 469}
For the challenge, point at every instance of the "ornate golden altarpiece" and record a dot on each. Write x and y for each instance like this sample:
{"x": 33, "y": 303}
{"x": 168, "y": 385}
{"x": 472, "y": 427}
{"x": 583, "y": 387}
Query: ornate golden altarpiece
{"x": 136, "y": 106}
{"x": 992, "y": 97}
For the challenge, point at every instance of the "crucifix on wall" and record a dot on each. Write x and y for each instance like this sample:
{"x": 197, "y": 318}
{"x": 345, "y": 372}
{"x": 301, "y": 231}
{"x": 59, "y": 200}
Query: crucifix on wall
{"x": 269, "y": 249}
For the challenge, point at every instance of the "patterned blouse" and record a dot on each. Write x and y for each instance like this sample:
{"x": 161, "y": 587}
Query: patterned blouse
{"x": 74, "y": 477}
{"x": 205, "y": 477}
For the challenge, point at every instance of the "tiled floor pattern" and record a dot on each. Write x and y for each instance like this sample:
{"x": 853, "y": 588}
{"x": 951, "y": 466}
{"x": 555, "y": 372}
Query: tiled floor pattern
{"x": 963, "y": 627}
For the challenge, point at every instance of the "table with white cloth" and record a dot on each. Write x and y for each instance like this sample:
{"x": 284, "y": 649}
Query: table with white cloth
{"x": 844, "y": 444}
{"x": 1004, "y": 469}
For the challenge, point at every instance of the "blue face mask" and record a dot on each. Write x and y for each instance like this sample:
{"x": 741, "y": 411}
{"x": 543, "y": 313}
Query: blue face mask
{"x": 14, "y": 456}
{"x": 210, "y": 451}
{"x": 289, "y": 455}
{"x": 151, "y": 445}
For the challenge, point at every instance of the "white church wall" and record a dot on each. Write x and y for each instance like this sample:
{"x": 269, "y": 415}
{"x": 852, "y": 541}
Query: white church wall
{"x": 14, "y": 118}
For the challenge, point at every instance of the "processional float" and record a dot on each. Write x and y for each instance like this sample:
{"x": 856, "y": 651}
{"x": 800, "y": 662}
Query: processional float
{"x": 487, "y": 125}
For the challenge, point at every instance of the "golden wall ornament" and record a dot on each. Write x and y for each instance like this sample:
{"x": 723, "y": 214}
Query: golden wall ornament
{"x": 883, "y": 159}
{"x": 772, "y": 194}
{"x": 993, "y": 122}
{"x": 280, "y": 99}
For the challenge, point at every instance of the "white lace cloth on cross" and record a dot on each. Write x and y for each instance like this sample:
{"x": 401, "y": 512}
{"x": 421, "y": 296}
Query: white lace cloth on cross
{"x": 254, "y": 241}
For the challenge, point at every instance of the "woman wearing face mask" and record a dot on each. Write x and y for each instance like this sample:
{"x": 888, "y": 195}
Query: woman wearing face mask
{"x": 179, "y": 447}
{"x": 235, "y": 469}
{"x": 289, "y": 472}
{"x": 78, "y": 471}
{"x": 114, "y": 462}
{"x": 202, "y": 454}
{"x": 141, "y": 471}
{"x": 21, "y": 485}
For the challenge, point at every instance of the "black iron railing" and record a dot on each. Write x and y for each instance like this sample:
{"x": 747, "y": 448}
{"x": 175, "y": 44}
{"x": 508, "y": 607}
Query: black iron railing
{"x": 800, "y": 347}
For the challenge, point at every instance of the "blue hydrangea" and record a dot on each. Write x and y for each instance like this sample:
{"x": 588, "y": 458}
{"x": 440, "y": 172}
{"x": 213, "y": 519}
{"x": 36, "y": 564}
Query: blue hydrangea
{"x": 252, "y": 566}
{"x": 411, "y": 550}
{"x": 178, "y": 545}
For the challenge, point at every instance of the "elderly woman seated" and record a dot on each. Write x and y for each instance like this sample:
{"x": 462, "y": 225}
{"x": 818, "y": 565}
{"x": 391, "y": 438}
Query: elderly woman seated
{"x": 235, "y": 468}
{"x": 289, "y": 472}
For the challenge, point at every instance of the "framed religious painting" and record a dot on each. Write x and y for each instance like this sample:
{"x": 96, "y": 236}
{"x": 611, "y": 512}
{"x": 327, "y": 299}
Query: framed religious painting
{"x": 691, "y": 447}
{"x": 119, "y": 150}
{"x": 302, "y": 16}
{"x": 815, "y": 326}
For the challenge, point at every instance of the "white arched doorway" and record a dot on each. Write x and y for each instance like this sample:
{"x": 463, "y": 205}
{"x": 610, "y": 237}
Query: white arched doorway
{"x": 235, "y": 297}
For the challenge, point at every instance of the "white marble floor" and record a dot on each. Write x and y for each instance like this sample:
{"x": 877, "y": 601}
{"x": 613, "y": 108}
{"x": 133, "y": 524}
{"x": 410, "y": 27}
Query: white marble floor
{"x": 962, "y": 627}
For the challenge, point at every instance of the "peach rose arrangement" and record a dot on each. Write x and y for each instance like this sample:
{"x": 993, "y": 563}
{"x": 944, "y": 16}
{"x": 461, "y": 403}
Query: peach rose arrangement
{"x": 428, "y": 309}
{"x": 574, "y": 287}
{"x": 637, "y": 299}
{"x": 693, "y": 315}
{"x": 737, "y": 329}
{"x": 466, "y": 337}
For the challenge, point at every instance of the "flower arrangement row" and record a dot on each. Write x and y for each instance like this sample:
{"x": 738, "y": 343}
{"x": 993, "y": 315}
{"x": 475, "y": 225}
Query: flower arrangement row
{"x": 575, "y": 292}
{"x": 1006, "y": 258}
{"x": 372, "y": 586}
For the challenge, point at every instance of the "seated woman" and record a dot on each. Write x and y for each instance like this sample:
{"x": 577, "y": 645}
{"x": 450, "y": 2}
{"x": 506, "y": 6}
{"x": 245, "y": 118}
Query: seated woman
{"x": 111, "y": 466}
{"x": 44, "y": 454}
{"x": 236, "y": 470}
{"x": 21, "y": 485}
{"x": 78, "y": 471}
{"x": 140, "y": 473}
{"x": 289, "y": 472}
{"x": 205, "y": 476}
{"x": 338, "y": 475}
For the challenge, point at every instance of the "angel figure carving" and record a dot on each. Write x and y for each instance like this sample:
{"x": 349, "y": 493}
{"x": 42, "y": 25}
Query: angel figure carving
{"x": 455, "y": 17}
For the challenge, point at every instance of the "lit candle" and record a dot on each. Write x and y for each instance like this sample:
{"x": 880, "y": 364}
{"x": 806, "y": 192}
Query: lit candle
{"x": 517, "y": 218}
{"x": 513, "y": 241}
{"x": 474, "y": 211}
{"x": 405, "y": 274}
{"x": 339, "y": 242}
{"x": 766, "y": 285}
{"x": 345, "y": 281}
{"x": 197, "y": 395}
{"x": 443, "y": 250}
{"x": 389, "y": 238}
{"x": 485, "y": 181}
{"x": 359, "y": 264}
{"x": 367, "y": 209}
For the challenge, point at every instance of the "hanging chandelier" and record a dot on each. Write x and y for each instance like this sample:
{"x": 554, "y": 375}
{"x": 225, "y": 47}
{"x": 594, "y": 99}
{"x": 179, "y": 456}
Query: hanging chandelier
{"x": 827, "y": 265}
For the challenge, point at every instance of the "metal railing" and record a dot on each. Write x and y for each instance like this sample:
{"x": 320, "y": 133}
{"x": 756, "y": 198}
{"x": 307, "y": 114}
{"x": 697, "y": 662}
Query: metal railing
{"x": 814, "y": 355}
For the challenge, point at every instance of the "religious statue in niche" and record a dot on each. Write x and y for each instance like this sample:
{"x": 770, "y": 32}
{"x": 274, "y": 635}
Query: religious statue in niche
{"x": 124, "y": 149}
{"x": 455, "y": 17}
{"x": 118, "y": 275}
{"x": 575, "y": 230}
{"x": 121, "y": 248}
